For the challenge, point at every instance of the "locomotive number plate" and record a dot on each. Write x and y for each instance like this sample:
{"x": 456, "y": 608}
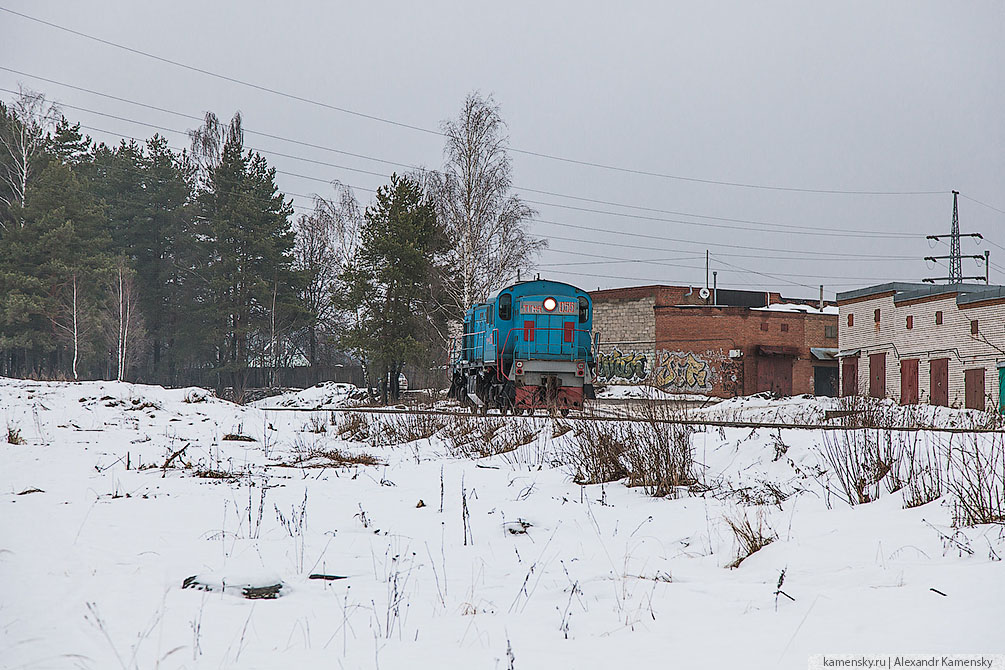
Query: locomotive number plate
{"x": 538, "y": 308}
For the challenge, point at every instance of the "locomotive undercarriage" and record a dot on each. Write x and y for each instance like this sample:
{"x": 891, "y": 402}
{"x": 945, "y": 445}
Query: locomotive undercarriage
{"x": 482, "y": 389}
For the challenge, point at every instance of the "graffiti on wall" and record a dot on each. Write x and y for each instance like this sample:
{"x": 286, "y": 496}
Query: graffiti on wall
{"x": 679, "y": 370}
{"x": 674, "y": 371}
{"x": 615, "y": 365}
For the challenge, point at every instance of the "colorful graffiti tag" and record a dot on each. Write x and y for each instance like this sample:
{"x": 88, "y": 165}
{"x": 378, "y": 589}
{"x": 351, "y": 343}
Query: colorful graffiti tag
{"x": 677, "y": 370}
{"x": 617, "y": 365}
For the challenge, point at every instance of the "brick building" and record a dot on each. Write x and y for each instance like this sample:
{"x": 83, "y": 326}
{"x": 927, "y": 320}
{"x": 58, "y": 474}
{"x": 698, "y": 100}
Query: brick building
{"x": 733, "y": 343}
{"x": 942, "y": 345}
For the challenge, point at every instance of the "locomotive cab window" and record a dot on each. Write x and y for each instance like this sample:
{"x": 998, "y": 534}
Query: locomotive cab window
{"x": 505, "y": 307}
{"x": 584, "y": 309}
{"x": 490, "y": 319}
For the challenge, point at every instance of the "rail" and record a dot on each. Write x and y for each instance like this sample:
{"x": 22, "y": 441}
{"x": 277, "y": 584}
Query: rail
{"x": 712, "y": 423}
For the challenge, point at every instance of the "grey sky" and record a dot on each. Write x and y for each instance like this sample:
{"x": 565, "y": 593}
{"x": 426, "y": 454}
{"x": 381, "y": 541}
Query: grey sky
{"x": 891, "y": 96}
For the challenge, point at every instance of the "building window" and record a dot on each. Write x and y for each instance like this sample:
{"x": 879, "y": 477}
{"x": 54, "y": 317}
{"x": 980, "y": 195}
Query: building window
{"x": 830, "y": 332}
{"x": 938, "y": 318}
{"x": 851, "y": 320}
{"x": 973, "y": 327}
{"x": 910, "y": 322}
{"x": 785, "y": 327}
{"x": 764, "y": 327}
{"x": 876, "y": 316}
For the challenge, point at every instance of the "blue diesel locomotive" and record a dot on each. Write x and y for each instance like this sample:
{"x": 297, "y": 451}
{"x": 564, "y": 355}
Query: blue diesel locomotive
{"x": 530, "y": 346}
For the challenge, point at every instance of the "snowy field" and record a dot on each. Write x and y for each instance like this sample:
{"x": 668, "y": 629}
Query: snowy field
{"x": 472, "y": 548}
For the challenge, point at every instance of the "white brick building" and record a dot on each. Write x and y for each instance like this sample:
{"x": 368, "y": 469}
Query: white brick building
{"x": 942, "y": 345}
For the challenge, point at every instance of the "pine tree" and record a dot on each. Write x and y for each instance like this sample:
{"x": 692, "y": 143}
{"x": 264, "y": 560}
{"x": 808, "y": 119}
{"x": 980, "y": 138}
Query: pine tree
{"x": 249, "y": 240}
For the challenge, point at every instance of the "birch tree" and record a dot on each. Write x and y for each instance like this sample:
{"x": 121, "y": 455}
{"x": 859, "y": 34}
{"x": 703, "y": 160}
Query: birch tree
{"x": 326, "y": 241}
{"x": 123, "y": 323}
{"x": 485, "y": 223}
{"x": 209, "y": 139}
{"x": 24, "y": 127}
{"x": 69, "y": 320}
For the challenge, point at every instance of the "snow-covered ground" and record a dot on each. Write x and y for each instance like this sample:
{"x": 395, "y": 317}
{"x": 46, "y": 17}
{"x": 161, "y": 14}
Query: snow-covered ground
{"x": 323, "y": 395}
{"x": 807, "y": 409}
{"x": 449, "y": 561}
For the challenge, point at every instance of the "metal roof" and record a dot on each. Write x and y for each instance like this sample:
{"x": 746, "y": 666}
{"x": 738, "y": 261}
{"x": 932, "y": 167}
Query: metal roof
{"x": 965, "y": 293}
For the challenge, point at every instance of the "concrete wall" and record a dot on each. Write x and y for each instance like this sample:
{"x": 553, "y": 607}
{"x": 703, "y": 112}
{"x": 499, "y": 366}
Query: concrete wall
{"x": 926, "y": 341}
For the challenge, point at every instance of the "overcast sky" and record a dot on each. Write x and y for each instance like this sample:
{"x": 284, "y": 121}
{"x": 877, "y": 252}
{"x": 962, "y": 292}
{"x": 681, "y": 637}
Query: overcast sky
{"x": 870, "y": 96}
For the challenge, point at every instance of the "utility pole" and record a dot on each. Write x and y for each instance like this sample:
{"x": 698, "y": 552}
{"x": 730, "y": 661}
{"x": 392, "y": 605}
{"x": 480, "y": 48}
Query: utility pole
{"x": 955, "y": 256}
{"x": 706, "y": 269}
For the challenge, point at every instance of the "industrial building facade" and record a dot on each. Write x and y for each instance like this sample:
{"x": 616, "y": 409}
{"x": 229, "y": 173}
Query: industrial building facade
{"x": 919, "y": 343}
{"x": 729, "y": 344}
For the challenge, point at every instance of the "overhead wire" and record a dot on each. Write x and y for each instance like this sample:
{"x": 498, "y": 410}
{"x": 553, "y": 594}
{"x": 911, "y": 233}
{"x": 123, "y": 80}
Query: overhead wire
{"x": 809, "y": 230}
{"x": 409, "y": 126}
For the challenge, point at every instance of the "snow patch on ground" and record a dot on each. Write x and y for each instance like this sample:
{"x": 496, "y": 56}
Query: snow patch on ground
{"x": 321, "y": 396}
{"x": 437, "y": 571}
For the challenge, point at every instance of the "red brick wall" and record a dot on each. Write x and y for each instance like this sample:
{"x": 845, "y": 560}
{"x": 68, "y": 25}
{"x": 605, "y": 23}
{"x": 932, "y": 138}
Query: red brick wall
{"x": 709, "y": 333}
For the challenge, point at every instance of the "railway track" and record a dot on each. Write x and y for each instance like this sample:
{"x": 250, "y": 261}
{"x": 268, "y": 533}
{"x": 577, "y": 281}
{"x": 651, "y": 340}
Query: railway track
{"x": 713, "y": 423}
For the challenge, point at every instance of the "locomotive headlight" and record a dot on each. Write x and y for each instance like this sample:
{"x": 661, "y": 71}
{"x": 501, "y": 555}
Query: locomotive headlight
{"x": 550, "y": 304}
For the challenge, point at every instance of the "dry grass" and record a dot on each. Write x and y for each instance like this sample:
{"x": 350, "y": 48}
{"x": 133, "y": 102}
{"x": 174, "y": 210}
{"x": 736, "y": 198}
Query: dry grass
{"x": 210, "y": 473}
{"x": 319, "y": 455}
{"x": 353, "y": 426}
{"x": 14, "y": 434}
{"x": 655, "y": 453}
{"x": 478, "y": 437}
{"x": 237, "y": 437}
{"x": 751, "y": 535}
{"x": 316, "y": 424}
{"x": 661, "y": 456}
{"x": 597, "y": 454}
{"x": 412, "y": 427}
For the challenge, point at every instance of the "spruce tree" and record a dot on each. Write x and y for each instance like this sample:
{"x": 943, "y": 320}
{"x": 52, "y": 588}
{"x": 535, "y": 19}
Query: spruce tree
{"x": 390, "y": 281}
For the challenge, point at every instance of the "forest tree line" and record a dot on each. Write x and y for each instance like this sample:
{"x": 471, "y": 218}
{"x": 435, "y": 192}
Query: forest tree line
{"x": 141, "y": 262}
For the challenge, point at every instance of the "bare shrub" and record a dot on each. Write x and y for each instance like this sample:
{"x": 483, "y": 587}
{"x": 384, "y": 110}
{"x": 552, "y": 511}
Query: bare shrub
{"x": 927, "y": 479}
{"x": 977, "y": 479}
{"x": 597, "y": 452}
{"x": 862, "y": 460}
{"x": 14, "y": 434}
{"x": 477, "y": 437}
{"x": 660, "y": 455}
{"x": 859, "y": 461}
{"x": 316, "y": 425}
{"x": 353, "y": 426}
{"x": 411, "y": 427}
{"x": 918, "y": 468}
{"x": 751, "y": 535}
{"x": 317, "y": 455}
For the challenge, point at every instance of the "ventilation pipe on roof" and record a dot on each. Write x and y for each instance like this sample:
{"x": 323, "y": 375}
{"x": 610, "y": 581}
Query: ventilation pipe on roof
{"x": 821, "y": 297}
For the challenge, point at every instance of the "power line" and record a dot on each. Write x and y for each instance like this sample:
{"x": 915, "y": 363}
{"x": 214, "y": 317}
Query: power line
{"x": 785, "y": 227}
{"x": 373, "y": 117}
{"x": 658, "y": 262}
{"x": 736, "y": 268}
{"x": 1000, "y": 211}
{"x": 382, "y": 175}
